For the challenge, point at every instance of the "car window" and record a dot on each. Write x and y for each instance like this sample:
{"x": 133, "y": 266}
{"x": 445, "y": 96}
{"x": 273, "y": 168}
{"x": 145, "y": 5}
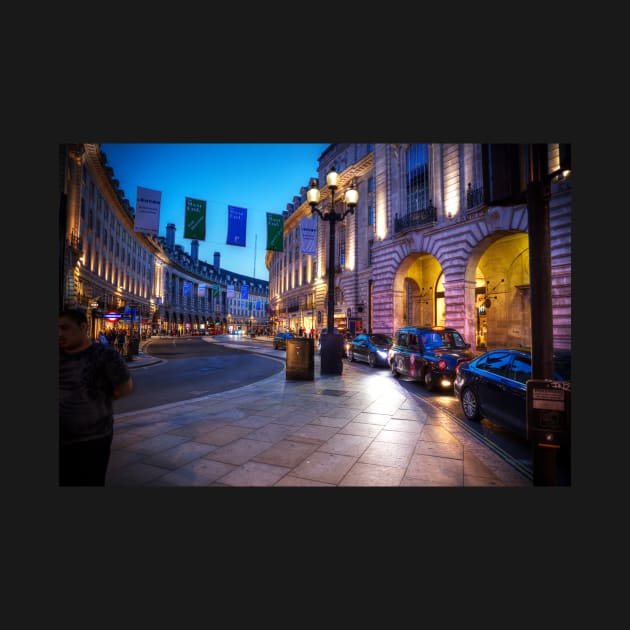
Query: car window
{"x": 521, "y": 369}
{"x": 495, "y": 363}
{"x": 381, "y": 340}
{"x": 434, "y": 340}
{"x": 455, "y": 340}
{"x": 402, "y": 339}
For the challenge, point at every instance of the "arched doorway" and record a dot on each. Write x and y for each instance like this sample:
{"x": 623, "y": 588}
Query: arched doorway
{"x": 414, "y": 291}
{"x": 502, "y": 296}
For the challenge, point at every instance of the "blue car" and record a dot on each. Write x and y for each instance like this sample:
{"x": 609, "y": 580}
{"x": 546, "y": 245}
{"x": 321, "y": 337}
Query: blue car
{"x": 493, "y": 386}
{"x": 280, "y": 340}
{"x": 372, "y": 349}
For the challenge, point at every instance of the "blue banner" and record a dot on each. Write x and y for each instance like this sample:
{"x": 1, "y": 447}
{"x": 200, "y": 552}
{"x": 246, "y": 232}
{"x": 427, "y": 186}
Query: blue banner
{"x": 244, "y": 292}
{"x": 237, "y": 226}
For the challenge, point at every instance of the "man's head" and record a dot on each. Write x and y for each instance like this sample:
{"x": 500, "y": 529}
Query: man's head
{"x": 73, "y": 330}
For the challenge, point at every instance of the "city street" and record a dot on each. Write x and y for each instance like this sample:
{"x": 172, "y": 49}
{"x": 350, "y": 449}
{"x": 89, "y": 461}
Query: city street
{"x": 360, "y": 428}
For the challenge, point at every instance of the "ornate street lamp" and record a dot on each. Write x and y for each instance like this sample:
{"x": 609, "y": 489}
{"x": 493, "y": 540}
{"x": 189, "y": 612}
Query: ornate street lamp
{"x": 331, "y": 344}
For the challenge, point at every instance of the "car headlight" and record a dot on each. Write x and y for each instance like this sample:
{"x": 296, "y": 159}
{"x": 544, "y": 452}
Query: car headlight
{"x": 382, "y": 353}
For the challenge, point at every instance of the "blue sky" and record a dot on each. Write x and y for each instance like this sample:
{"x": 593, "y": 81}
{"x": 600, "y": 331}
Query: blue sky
{"x": 260, "y": 177}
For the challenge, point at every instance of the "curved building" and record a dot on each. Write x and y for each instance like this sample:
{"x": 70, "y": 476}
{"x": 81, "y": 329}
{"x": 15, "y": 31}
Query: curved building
{"x": 135, "y": 280}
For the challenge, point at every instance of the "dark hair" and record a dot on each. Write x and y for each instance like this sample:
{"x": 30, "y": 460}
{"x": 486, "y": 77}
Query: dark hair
{"x": 77, "y": 315}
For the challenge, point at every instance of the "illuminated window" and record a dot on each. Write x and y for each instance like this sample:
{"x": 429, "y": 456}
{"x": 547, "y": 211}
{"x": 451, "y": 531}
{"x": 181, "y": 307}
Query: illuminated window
{"x": 417, "y": 178}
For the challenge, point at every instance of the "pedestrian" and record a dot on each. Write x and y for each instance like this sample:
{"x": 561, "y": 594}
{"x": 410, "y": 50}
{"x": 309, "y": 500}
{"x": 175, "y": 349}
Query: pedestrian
{"x": 120, "y": 340}
{"x": 91, "y": 376}
{"x": 102, "y": 338}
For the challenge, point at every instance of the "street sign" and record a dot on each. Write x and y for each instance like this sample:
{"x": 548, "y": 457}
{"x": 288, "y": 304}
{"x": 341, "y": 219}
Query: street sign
{"x": 112, "y": 316}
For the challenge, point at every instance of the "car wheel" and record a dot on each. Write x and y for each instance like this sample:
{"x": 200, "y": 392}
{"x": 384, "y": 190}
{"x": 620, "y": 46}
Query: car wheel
{"x": 392, "y": 365}
{"x": 470, "y": 404}
{"x": 350, "y": 355}
{"x": 372, "y": 359}
{"x": 429, "y": 380}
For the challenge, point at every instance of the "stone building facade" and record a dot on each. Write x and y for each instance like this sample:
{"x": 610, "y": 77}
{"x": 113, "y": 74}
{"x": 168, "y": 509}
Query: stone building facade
{"x": 439, "y": 237}
{"x": 106, "y": 266}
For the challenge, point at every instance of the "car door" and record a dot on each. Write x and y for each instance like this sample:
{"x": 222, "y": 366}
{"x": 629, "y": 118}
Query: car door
{"x": 493, "y": 386}
{"x": 360, "y": 347}
{"x": 401, "y": 354}
{"x": 515, "y": 410}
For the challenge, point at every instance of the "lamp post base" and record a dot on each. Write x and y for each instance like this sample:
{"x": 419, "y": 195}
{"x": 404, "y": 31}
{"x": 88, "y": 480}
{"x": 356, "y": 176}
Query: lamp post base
{"x": 331, "y": 354}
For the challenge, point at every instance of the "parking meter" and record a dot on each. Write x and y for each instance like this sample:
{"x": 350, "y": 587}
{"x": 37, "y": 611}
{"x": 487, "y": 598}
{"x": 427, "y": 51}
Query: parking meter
{"x": 548, "y": 412}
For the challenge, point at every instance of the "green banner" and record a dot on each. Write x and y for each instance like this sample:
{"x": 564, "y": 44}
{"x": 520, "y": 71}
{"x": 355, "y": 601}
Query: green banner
{"x": 275, "y": 232}
{"x": 195, "y": 219}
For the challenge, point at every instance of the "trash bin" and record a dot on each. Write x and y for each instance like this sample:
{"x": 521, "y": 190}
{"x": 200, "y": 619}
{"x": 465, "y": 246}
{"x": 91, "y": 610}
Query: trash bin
{"x": 300, "y": 359}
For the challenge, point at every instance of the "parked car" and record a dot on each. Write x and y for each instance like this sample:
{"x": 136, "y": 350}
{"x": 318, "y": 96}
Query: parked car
{"x": 428, "y": 354}
{"x": 493, "y": 385}
{"x": 373, "y": 349}
{"x": 280, "y": 340}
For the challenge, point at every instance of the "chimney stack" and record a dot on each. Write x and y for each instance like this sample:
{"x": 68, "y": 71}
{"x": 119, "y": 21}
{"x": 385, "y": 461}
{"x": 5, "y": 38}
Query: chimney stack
{"x": 170, "y": 236}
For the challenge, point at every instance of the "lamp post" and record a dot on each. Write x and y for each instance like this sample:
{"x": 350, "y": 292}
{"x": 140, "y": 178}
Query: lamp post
{"x": 331, "y": 345}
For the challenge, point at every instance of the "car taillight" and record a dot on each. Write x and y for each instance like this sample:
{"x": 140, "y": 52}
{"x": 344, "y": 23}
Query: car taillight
{"x": 442, "y": 364}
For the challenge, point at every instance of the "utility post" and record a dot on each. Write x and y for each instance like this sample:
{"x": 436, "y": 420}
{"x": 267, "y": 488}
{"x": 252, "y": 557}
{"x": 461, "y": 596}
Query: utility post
{"x": 545, "y": 443}
{"x": 332, "y": 345}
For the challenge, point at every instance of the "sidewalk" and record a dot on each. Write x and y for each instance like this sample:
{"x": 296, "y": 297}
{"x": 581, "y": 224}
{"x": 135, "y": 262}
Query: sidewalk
{"x": 360, "y": 428}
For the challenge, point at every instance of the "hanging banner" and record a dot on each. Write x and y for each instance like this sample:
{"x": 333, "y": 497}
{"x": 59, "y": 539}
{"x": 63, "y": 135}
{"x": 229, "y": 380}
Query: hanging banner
{"x": 230, "y": 291}
{"x": 195, "y": 219}
{"x": 308, "y": 236}
{"x": 216, "y": 291}
{"x": 147, "y": 218}
{"x": 201, "y": 291}
{"x": 187, "y": 288}
{"x": 237, "y": 226}
{"x": 244, "y": 292}
{"x": 275, "y": 229}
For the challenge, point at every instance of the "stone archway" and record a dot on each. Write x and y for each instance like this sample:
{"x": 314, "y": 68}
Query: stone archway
{"x": 415, "y": 282}
{"x": 497, "y": 286}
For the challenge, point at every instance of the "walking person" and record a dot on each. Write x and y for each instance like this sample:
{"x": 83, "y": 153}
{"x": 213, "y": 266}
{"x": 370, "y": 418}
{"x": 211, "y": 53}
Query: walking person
{"x": 91, "y": 376}
{"x": 120, "y": 341}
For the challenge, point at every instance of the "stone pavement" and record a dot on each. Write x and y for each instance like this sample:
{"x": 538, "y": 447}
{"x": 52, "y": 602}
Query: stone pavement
{"x": 360, "y": 428}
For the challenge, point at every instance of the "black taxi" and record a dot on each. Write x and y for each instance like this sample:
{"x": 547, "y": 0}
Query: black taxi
{"x": 428, "y": 354}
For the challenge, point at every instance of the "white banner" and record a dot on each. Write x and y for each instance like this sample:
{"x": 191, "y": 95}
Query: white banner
{"x": 201, "y": 291}
{"x": 308, "y": 236}
{"x": 230, "y": 291}
{"x": 147, "y": 210}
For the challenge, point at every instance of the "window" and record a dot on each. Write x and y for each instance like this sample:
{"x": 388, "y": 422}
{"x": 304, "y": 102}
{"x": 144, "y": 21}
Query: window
{"x": 371, "y": 185}
{"x": 417, "y": 178}
{"x": 496, "y": 363}
{"x": 369, "y": 252}
{"x": 521, "y": 369}
{"x": 371, "y": 215}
